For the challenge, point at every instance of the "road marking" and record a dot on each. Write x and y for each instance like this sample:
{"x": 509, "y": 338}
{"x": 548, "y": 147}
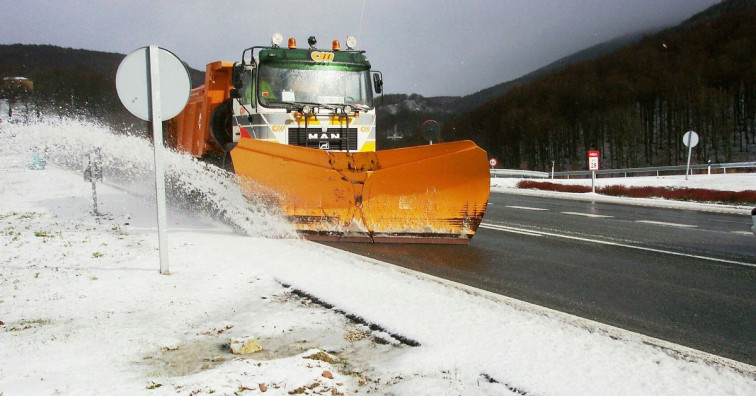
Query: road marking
{"x": 587, "y": 215}
{"x": 662, "y": 223}
{"x": 524, "y": 207}
{"x": 510, "y": 229}
{"x": 647, "y": 249}
{"x": 741, "y": 233}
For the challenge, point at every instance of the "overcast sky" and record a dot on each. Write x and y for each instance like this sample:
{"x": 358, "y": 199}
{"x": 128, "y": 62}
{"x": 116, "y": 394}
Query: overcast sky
{"x": 451, "y": 47}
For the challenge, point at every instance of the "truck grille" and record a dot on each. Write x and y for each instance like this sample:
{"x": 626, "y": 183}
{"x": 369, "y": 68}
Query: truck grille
{"x": 332, "y": 139}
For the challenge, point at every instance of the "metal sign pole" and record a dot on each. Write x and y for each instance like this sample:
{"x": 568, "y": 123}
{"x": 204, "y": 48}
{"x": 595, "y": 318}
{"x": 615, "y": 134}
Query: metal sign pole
{"x": 690, "y": 149}
{"x": 153, "y": 89}
{"x": 93, "y": 176}
{"x": 157, "y": 133}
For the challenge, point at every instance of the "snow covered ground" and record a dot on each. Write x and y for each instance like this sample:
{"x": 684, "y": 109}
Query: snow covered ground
{"x": 84, "y": 309}
{"x": 723, "y": 182}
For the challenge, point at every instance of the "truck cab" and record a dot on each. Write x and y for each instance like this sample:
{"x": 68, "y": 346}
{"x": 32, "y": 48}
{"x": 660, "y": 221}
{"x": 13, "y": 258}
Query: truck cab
{"x": 321, "y": 99}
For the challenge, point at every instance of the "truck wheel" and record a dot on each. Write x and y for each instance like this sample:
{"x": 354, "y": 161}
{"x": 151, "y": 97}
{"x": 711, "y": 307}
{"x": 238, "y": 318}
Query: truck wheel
{"x": 220, "y": 123}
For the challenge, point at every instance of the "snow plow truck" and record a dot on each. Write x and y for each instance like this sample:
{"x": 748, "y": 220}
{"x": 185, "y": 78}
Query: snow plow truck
{"x": 297, "y": 126}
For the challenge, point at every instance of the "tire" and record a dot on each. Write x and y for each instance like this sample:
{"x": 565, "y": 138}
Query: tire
{"x": 220, "y": 124}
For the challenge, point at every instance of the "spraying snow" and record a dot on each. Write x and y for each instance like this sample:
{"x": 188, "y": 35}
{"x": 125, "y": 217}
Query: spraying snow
{"x": 127, "y": 161}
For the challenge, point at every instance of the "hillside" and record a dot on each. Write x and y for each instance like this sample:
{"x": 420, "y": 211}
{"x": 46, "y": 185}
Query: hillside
{"x": 473, "y": 101}
{"x": 635, "y": 104}
{"x": 406, "y": 113}
{"x": 69, "y": 81}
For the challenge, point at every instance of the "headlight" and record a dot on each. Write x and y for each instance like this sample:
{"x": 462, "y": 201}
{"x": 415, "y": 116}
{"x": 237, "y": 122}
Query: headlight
{"x": 276, "y": 40}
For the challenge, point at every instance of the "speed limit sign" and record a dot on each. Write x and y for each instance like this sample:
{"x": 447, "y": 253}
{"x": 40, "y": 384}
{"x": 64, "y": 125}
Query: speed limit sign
{"x": 493, "y": 162}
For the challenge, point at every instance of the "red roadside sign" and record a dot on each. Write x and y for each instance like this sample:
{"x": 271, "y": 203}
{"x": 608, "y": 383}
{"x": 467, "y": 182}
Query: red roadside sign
{"x": 593, "y": 160}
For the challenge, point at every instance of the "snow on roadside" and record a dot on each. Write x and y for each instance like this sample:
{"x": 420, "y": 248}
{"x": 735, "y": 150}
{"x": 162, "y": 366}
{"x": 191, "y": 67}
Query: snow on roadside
{"x": 85, "y": 310}
{"x": 724, "y": 182}
{"x": 717, "y": 181}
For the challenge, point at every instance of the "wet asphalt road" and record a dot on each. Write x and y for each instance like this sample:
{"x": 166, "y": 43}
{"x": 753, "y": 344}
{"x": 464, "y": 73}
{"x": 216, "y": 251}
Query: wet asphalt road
{"x": 683, "y": 276}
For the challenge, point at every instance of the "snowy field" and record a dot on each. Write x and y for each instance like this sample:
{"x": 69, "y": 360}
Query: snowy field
{"x": 84, "y": 309}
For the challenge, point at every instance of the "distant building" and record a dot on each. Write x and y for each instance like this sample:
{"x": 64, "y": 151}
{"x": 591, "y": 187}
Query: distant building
{"x": 18, "y": 82}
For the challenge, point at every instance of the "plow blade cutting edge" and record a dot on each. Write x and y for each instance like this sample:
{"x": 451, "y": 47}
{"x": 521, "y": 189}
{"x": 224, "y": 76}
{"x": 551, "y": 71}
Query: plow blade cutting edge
{"x": 425, "y": 194}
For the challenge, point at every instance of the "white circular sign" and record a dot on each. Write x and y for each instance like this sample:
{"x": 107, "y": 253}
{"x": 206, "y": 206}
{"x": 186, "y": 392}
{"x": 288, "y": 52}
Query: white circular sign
{"x": 133, "y": 83}
{"x": 690, "y": 139}
{"x": 493, "y": 162}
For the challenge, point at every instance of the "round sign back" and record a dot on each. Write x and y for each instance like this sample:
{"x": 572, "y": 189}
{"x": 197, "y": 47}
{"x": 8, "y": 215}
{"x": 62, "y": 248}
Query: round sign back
{"x": 133, "y": 83}
{"x": 690, "y": 139}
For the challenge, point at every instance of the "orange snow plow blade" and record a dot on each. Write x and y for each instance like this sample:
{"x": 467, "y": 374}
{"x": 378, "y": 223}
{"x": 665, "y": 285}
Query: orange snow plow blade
{"x": 426, "y": 194}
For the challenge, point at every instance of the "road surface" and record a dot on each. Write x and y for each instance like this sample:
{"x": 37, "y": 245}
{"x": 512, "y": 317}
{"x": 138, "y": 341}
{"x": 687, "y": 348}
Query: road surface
{"x": 679, "y": 275}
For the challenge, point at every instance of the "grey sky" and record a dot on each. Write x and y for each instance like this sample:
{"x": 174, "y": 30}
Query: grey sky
{"x": 450, "y": 47}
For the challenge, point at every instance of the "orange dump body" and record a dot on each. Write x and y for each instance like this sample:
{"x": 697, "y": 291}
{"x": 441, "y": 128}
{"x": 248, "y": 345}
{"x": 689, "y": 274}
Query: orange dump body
{"x": 190, "y": 130}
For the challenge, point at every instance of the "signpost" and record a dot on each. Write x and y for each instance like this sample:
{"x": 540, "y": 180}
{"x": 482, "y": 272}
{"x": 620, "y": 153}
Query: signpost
{"x": 593, "y": 166}
{"x": 153, "y": 84}
{"x": 690, "y": 139}
{"x": 431, "y": 130}
{"x": 492, "y": 162}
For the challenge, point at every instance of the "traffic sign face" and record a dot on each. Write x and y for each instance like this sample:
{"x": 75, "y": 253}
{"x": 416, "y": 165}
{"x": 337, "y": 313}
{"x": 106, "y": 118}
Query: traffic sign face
{"x": 492, "y": 161}
{"x": 690, "y": 139}
{"x": 431, "y": 130}
{"x": 593, "y": 160}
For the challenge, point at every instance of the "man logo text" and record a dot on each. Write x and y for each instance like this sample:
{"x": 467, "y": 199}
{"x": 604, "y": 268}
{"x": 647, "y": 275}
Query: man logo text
{"x": 317, "y": 136}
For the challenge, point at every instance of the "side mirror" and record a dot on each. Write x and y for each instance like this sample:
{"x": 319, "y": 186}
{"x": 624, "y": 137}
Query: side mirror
{"x": 234, "y": 93}
{"x": 236, "y": 74}
{"x": 378, "y": 82}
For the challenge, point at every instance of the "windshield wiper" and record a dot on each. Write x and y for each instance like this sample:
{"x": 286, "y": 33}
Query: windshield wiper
{"x": 300, "y": 105}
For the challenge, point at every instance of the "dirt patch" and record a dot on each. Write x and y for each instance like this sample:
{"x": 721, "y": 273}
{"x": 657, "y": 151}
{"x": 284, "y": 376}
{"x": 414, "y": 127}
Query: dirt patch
{"x": 350, "y": 346}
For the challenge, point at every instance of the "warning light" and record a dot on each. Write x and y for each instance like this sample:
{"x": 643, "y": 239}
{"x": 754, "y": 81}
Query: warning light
{"x": 292, "y": 43}
{"x": 336, "y": 45}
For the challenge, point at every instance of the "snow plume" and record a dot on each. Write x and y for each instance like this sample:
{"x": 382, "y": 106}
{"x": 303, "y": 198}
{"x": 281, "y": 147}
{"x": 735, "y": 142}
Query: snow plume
{"x": 127, "y": 162}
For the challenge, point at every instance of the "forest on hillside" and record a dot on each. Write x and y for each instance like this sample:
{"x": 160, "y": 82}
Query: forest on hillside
{"x": 633, "y": 105}
{"x": 67, "y": 82}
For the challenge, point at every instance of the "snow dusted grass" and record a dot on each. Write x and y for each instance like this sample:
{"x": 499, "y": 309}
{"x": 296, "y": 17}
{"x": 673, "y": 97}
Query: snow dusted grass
{"x": 84, "y": 309}
{"x": 742, "y": 197}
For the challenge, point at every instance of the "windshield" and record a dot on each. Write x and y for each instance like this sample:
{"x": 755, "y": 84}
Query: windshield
{"x": 281, "y": 86}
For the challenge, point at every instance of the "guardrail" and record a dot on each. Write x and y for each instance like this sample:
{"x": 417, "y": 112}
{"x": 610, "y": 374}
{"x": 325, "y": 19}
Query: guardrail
{"x": 650, "y": 170}
{"x": 518, "y": 173}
